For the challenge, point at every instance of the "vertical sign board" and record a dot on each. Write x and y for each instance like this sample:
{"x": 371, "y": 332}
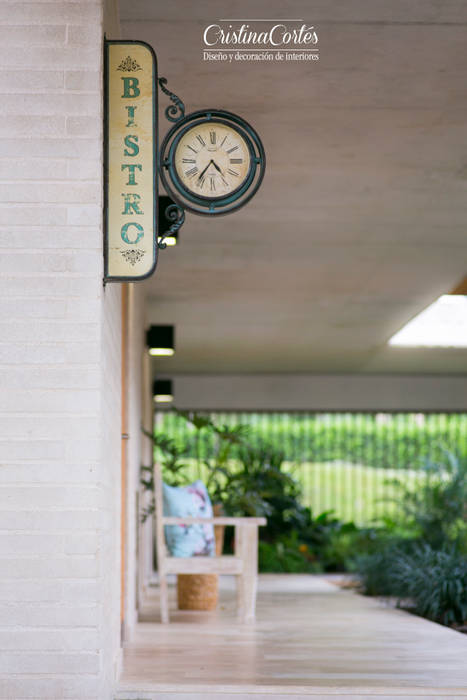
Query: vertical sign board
{"x": 130, "y": 165}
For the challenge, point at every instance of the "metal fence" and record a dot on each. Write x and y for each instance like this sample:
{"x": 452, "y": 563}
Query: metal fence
{"x": 345, "y": 462}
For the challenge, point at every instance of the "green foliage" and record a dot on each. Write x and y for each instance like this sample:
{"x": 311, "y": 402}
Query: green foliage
{"x": 376, "y": 566}
{"x": 436, "y": 582}
{"x": 172, "y": 459}
{"x": 420, "y": 556}
{"x": 247, "y": 480}
{"x": 433, "y": 583}
{"x": 425, "y": 560}
{"x": 384, "y": 441}
{"x": 437, "y": 510}
{"x": 254, "y": 480}
{"x": 288, "y": 554}
{"x": 173, "y": 455}
{"x": 343, "y": 461}
{"x": 257, "y": 485}
{"x": 343, "y": 544}
{"x": 174, "y": 468}
{"x": 375, "y": 572}
{"x": 326, "y": 544}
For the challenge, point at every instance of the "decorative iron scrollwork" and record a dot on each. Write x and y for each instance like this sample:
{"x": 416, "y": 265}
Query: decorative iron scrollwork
{"x": 176, "y": 111}
{"x": 176, "y": 214}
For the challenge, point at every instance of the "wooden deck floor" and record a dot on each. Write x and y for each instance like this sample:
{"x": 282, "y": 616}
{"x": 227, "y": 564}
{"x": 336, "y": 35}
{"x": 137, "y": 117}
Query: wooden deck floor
{"x": 310, "y": 639}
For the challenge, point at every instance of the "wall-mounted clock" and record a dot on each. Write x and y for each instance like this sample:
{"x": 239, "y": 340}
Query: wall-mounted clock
{"x": 212, "y": 162}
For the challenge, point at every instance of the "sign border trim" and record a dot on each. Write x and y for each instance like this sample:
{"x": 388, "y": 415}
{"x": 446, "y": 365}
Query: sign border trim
{"x": 130, "y": 42}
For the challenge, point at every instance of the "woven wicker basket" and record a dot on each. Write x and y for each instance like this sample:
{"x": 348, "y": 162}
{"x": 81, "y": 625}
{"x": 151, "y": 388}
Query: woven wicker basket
{"x": 201, "y": 591}
{"x": 197, "y": 591}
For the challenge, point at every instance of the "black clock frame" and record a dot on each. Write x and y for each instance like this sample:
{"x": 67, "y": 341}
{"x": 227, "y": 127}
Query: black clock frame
{"x": 199, "y": 204}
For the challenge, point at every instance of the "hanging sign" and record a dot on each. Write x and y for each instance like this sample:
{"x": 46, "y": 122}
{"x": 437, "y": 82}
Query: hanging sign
{"x": 130, "y": 161}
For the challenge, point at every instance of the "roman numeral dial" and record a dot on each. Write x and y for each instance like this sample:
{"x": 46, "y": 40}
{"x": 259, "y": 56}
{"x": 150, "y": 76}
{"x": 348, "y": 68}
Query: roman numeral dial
{"x": 212, "y": 160}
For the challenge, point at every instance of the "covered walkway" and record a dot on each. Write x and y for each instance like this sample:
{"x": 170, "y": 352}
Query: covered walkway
{"x": 311, "y": 639}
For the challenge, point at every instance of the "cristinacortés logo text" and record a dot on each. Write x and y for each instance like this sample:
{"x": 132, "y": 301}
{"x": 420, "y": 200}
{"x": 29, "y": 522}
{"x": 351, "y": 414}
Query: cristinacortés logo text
{"x": 260, "y": 40}
{"x": 280, "y": 35}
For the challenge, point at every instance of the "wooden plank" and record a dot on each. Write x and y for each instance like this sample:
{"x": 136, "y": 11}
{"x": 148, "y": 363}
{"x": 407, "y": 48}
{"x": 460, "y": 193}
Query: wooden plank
{"x": 203, "y": 565}
{"x": 237, "y": 522}
{"x": 292, "y": 693}
{"x": 309, "y": 638}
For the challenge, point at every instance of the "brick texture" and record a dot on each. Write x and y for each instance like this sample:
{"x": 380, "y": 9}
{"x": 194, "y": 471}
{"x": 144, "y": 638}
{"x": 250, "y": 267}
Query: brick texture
{"x": 59, "y": 362}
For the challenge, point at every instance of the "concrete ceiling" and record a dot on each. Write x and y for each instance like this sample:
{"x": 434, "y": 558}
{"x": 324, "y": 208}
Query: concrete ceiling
{"x": 361, "y": 219}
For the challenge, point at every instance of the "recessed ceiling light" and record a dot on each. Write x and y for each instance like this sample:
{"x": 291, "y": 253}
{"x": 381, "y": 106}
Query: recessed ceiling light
{"x": 161, "y": 352}
{"x": 163, "y": 398}
{"x": 443, "y": 324}
{"x": 161, "y": 340}
{"x": 162, "y": 391}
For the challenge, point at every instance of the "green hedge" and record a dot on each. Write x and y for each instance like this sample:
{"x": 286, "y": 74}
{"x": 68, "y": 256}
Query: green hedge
{"x": 388, "y": 441}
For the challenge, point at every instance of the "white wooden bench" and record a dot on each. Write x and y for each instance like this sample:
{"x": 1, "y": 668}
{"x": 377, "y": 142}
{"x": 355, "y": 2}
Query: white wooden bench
{"x": 243, "y": 564}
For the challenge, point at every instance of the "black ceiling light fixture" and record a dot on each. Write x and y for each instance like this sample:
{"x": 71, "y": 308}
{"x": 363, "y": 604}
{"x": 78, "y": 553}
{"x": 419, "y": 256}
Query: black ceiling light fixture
{"x": 162, "y": 391}
{"x": 161, "y": 341}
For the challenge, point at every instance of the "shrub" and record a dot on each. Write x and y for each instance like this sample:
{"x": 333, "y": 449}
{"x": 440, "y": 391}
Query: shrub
{"x": 286, "y": 555}
{"x": 431, "y": 582}
{"x": 344, "y": 544}
{"x": 376, "y": 568}
{"x": 436, "y": 511}
{"x": 258, "y": 485}
{"x": 435, "y": 581}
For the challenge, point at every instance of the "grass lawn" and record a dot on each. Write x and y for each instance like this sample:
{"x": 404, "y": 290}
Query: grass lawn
{"x": 353, "y": 491}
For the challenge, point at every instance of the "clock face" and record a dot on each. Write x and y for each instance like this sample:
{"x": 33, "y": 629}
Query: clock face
{"x": 212, "y": 160}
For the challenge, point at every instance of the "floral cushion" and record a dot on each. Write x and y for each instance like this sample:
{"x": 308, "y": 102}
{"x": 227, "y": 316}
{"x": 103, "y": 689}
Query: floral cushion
{"x": 188, "y": 540}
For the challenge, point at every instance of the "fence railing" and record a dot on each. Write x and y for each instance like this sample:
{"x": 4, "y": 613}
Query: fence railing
{"x": 345, "y": 462}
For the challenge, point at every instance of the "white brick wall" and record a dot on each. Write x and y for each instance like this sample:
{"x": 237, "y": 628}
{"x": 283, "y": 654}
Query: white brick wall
{"x": 59, "y": 362}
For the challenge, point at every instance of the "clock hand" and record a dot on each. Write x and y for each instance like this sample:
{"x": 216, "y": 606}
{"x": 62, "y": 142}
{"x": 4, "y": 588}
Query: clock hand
{"x": 207, "y": 166}
{"x": 216, "y": 167}
{"x": 221, "y": 173}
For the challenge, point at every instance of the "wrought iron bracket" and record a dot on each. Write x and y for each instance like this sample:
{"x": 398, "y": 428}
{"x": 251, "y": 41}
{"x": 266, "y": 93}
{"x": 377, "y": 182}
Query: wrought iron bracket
{"x": 176, "y": 111}
{"x": 176, "y": 214}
